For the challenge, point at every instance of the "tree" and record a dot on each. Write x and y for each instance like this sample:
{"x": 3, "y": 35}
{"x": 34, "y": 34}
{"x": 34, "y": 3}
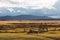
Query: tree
{"x": 24, "y": 26}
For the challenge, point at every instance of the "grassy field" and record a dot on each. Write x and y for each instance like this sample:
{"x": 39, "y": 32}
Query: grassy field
{"x": 30, "y": 21}
{"x": 8, "y": 35}
{"x": 51, "y": 35}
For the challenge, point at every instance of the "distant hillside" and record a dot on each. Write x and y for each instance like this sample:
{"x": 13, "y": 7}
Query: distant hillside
{"x": 24, "y": 17}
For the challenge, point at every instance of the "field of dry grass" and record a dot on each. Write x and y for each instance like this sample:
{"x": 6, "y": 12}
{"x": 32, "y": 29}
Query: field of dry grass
{"x": 50, "y": 35}
{"x": 31, "y": 21}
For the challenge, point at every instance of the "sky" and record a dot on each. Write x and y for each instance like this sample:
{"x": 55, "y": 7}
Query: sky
{"x": 34, "y": 4}
{"x": 29, "y": 4}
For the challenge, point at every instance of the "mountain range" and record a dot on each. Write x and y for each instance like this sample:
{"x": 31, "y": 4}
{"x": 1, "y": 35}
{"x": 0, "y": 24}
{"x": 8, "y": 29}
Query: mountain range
{"x": 27, "y": 14}
{"x": 24, "y": 17}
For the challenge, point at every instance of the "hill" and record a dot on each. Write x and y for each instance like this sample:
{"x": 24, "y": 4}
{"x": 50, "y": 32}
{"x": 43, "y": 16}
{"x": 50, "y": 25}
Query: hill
{"x": 24, "y": 17}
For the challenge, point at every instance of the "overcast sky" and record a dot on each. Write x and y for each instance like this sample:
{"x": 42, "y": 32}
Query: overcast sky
{"x": 33, "y": 4}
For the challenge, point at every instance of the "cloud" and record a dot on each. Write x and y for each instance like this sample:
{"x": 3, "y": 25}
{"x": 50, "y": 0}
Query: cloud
{"x": 33, "y": 4}
{"x": 55, "y": 16}
{"x": 11, "y": 10}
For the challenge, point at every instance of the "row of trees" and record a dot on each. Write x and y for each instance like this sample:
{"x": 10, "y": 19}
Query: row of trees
{"x": 41, "y": 27}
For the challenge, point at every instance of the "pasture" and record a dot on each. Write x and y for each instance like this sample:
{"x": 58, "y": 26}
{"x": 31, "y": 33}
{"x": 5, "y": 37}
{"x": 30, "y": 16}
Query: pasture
{"x": 21, "y": 33}
{"x": 51, "y": 35}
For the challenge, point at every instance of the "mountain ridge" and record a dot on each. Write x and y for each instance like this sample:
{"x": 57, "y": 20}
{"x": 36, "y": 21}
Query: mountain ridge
{"x": 24, "y": 17}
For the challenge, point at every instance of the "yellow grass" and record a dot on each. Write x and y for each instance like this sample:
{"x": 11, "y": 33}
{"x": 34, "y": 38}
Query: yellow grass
{"x": 51, "y": 35}
{"x": 31, "y": 21}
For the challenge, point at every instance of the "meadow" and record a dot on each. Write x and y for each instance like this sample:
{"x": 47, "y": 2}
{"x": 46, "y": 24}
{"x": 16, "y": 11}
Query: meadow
{"x": 51, "y": 35}
{"x": 19, "y": 34}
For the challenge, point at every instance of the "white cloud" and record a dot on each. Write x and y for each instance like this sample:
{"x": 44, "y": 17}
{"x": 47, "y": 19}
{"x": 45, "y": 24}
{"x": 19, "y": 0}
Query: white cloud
{"x": 11, "y": 9}
{"x": 34, "y": 4}
{"x": 55, "y": 16}
{"x": 19, "y": 11}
